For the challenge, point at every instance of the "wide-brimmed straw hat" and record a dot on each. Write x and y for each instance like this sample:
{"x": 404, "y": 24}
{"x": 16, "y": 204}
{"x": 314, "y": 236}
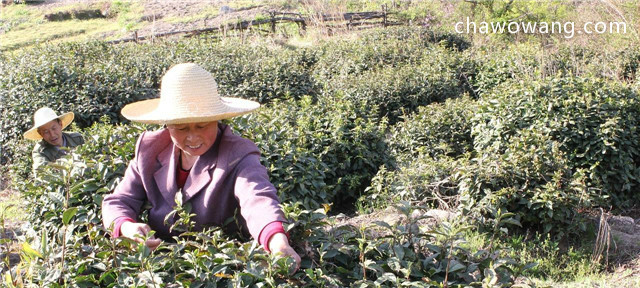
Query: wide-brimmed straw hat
{"x": 43, "y": 116}
{"x": 188, "y": 94}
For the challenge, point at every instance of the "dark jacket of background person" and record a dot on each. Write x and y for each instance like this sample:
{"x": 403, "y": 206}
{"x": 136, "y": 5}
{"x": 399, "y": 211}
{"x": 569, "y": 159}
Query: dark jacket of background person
{"x": 44, "y": 152}
{"x": 228, "y": 176}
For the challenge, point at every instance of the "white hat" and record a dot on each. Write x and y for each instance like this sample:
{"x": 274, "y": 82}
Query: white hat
{"x": 188, "y": 94}
{"x": 43, "y": 116}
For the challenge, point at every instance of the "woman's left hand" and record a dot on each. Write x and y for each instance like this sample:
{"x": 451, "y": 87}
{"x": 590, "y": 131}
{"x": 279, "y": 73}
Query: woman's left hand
{"x": 279, "y": 243}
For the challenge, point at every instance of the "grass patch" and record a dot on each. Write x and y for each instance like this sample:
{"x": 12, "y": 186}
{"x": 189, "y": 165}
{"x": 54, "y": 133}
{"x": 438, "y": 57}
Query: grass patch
{"x": 427, "y": 11}
{"x": 554, "y": 264}
{"x": 72, "y": 30}
{"x": 21, "y": 16}
{"x": 242, "y": 4}
{"x": 75, "y": 6}
{"x": 11, "y": 206}
{"x": 25, "y": 26}
{"x": 626, "y": 278}
{"x": 128, "y": 14}
{"x": 207, "y": 13}
{"x": 13, "y": 16}
{"x": 368, "y": 5}
{"x": 16, "y": 12}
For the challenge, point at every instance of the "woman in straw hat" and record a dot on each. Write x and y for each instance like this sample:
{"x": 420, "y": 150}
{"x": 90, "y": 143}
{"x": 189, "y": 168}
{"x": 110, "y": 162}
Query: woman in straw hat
{"x": 47, "y": 128}
{"x": 219, "y": 173}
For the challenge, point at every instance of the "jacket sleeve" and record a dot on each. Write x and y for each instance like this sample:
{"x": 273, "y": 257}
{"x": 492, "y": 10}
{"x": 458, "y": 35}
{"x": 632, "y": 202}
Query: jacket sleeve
{"x": 128, "y": 197}
{"x": 257, "y": 197}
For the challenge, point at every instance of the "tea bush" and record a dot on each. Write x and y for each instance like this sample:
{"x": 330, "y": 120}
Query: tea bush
{"x": 436, "y": 129}
{"x": 593, "y": 123}
{"x": 593, "y": 62}
{"x": 379, "y": 48}
{"x": 542, "y": 150}
{"x": 260, "y": 71}
{"x": 631, "y": 64}
{"x": 496, "y": 131}
{"x": 317, "y": 153}
{"x": 490, "y": 67}
{"x": 97, "y": 167}
{"x": 91, "y": 79}
{"x": 570, "y": 60}
{"x": 95, "y": 79}
{"x": 416, "y": 35}
{"x": 400, "y": 90}
{"x": 426, "y": 150}
{"x": 532, "y": 178}
{"x": 409, "y": 255}
{"x": 67, "y": 246}
{"x": 420, "y": 179}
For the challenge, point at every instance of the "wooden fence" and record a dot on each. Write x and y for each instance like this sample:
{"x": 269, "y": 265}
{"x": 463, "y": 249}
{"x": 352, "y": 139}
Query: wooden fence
{"x": 331, "y": 22}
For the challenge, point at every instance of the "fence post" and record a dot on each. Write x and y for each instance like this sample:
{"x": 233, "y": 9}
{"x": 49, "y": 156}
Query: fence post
{"x": 303, "y": 24}
{"x": 135, "y": 36}
{"x": 273, "y": 22}
{"x": 384, "y": 15}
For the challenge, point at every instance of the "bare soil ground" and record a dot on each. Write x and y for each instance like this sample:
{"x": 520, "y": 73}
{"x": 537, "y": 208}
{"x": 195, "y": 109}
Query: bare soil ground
{"x": 165, "y": 9}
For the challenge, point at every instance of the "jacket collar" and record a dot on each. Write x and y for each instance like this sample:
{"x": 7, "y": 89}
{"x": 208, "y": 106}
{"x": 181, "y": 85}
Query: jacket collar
{"x": 52, "y": 153}
{"x": 72, "y": 139}
{"x": 165, "y": 176}
{"x": 199, "y": 176}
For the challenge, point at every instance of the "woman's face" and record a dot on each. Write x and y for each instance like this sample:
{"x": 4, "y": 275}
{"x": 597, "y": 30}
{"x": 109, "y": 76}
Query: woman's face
{"x": 194, "y": 139}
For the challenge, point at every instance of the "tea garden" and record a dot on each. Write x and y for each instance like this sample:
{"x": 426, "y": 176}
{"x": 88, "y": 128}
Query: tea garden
{"x": 517, "y": 148}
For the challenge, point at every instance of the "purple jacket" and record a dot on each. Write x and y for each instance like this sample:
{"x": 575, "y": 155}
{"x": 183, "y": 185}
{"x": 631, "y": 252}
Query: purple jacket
{"x": 227, "y": 177}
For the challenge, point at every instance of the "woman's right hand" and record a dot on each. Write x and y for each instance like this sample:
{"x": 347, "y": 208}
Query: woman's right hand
{"x": 135, "y": 231}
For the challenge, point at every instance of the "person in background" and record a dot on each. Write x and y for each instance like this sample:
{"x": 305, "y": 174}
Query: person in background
{"x": 47, "y": 128}
{"x": 216, "y": 171}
